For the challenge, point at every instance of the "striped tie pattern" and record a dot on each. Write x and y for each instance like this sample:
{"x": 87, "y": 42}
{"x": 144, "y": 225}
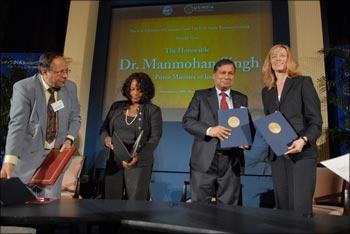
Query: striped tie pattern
{"x": 51, "y": 118}
{"x": 223, "y": 102}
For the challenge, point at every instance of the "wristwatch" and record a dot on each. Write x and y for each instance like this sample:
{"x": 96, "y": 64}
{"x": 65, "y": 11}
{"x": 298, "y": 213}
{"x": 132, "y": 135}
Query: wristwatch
{"x": 304, "y": 138}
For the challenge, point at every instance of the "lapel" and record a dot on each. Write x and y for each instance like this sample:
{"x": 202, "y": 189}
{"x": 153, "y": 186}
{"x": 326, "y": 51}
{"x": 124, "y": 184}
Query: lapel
{"x": 141, "y": 121}
{"x": 63, "y": 114}
{"x": 213, "y": 102}
{"x": 288, "y": 84}
{"x": 273, "y": 98}
{"x": 236, "y": 102}
{"x": 39, "y": 105}
{"x": 116, "y": 112}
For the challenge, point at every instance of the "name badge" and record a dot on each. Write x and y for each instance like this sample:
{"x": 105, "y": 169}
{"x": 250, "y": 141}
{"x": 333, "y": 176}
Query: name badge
{"x": 56, "y": 106}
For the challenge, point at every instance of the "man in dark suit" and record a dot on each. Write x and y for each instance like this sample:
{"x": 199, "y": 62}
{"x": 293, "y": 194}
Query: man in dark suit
{"x": 215, "y": 172}
{"x": 32, "y": 134}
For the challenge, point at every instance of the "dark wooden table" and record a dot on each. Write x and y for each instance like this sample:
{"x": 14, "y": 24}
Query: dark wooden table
{"x": 119, "y": 216}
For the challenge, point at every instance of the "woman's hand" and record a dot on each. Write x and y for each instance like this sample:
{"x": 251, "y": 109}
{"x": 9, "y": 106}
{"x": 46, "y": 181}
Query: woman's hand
{"x": 131, "y": 163}
{"x": 296, "y": 147}
{"x": 108, "y": 142}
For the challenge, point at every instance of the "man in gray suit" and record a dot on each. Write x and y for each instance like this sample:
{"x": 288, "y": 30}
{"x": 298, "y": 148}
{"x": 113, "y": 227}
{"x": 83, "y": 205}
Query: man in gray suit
{"x": 27, "y": 142}
{"x": 215, "y": 172}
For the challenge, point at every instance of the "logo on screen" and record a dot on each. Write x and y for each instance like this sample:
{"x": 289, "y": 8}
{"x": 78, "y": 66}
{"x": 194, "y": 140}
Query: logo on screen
{"x": 201, "y": 7}
{"x": 167, "y": 10}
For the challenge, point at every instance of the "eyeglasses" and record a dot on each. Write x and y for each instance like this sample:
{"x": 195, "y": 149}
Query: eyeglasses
{"x": 62, "y": 72}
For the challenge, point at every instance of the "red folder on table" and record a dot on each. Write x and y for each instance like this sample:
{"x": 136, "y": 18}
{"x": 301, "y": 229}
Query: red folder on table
{"x": 52, "y": 167}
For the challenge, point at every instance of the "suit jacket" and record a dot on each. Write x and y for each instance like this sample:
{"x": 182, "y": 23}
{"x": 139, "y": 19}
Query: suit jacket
{"x": 151, "y": 123}
{"x": 202, "y": 114}
{"x": 28, "y": 117}
{"x": 300, "y": 105}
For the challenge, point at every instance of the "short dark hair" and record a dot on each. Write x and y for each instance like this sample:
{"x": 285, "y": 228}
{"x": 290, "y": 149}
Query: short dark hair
{"x": 145, "y": 85}
{"x": 46, "y": 59}
{"x": 224, "y": 62}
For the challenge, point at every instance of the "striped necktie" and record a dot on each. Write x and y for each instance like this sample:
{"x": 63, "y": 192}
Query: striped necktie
{"x": 51, "y": 128}
{"x": 223, "y": 102}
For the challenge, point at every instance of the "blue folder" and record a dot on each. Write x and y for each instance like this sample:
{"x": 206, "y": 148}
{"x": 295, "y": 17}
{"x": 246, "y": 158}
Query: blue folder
{"x": 276, "y": 131}
{"x": 238, "y": 121}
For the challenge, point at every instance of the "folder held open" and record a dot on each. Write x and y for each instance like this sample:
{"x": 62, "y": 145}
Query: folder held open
{"x": 120, "y": 150}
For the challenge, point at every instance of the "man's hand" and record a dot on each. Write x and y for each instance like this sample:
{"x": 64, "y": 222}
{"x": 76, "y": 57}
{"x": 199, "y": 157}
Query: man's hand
{"x": 220, "y": 132}
{"x": 132, "y": 162}
{"x": 296, "y": 147}
{"x": 66, "y": 144}
{"x": 108, "y": 142}
{"x": 7, "y": 170}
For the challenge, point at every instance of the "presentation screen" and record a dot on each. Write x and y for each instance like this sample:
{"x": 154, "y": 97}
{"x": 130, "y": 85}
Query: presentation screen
{"x": 178, "y": 45}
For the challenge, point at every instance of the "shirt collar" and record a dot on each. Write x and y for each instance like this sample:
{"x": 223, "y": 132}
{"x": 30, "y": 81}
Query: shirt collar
{"x": 45, "y": 85}
{"x": 228, "y": 92}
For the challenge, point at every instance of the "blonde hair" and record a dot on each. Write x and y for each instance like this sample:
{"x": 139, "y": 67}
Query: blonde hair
{"x": 269, "y": 74}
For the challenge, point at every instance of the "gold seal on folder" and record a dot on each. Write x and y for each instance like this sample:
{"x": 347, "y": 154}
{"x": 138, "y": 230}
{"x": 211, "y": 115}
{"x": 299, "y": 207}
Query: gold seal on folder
{"x": 274, "y": 127}
{"x": 233, "y": 122}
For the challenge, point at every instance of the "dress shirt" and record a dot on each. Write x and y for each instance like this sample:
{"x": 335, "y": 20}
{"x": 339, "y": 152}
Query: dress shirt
{"x": 228, "y": 100}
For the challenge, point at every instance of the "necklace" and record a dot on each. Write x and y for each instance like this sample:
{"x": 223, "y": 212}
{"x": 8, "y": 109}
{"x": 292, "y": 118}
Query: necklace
{"x": 126, "y": 118}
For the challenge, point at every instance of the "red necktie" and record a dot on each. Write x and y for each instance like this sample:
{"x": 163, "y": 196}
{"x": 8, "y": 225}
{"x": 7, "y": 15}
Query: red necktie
{"x": 51, "y": 118}
{"x": 223, "y": 103}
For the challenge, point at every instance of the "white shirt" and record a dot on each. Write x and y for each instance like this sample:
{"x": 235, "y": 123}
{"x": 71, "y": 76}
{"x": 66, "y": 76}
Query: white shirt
{"x": 228, "y": 97}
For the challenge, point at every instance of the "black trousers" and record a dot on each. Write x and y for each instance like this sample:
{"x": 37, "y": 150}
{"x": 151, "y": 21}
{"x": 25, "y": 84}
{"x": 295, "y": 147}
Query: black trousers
{"x": 130, "y": 184}
{"x": 221, "y": 181}
{"x": 294, "y": 183}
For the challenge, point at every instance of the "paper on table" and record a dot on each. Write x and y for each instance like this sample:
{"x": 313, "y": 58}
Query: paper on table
{"x": 339, "y": 165}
